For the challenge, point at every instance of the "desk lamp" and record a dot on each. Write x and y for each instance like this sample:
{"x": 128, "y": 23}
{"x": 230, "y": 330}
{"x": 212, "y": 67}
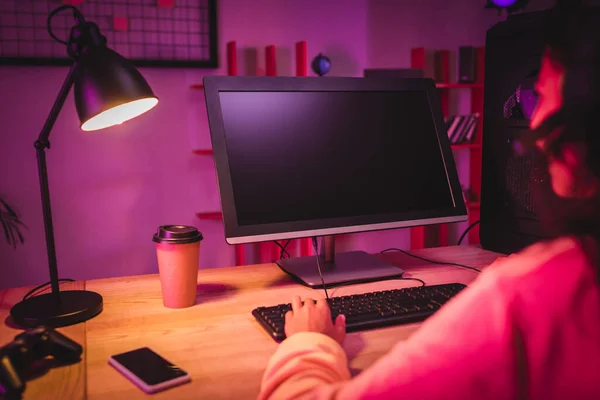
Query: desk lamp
{"x": 108, "y": 91}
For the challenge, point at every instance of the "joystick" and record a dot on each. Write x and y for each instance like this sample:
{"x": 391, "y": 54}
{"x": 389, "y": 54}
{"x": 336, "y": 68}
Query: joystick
{"x": 17, "y": 357}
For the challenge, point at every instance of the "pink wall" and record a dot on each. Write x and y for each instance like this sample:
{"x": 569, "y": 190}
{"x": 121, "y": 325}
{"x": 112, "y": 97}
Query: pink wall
{"x": 432, "y": 24}
{"x": 111, "y": 189}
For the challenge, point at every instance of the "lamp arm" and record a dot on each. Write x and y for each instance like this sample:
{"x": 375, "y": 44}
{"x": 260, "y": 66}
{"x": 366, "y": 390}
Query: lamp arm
{"x": 58, "y": 104}
{"x": 41, "y": 144}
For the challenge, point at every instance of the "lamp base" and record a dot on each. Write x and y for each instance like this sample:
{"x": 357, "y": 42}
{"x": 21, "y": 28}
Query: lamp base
{"x": 75, "y": 306}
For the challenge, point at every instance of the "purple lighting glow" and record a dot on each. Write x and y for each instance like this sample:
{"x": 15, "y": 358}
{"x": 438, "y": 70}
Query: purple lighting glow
{"x": 504, "y": 3}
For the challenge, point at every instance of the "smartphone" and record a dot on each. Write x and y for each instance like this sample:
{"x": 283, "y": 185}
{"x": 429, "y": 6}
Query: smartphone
{"x": 149, "y": 371}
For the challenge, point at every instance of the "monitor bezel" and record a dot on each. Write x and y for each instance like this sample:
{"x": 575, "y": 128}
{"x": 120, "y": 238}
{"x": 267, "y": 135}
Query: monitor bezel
{"x": 236, "y": 234}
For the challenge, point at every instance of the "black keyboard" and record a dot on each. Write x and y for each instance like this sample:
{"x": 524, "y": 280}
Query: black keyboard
{"x": 370, "y": 310}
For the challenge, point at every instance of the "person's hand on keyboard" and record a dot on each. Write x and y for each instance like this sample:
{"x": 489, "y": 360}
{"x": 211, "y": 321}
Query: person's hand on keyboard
{"x": 314, "y": 317}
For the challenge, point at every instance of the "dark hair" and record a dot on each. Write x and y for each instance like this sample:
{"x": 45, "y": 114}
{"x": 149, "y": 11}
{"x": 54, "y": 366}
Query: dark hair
{"x": 560, "y": 28}
{"x": 572, "y": 38}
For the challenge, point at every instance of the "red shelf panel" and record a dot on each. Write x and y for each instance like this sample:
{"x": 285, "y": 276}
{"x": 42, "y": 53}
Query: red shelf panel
{"x": 204, "y": 152}
{"x": 459, "y": 85}
{"x": 474, "y": 205}
{"x": 232, "y": 67}
{"x": 214, "y": 216}
{"x": 301, "y": 59}
{"x": 466, "y": 146}
{"x": 197, "y": 86}
{"x": 270, "y": 61}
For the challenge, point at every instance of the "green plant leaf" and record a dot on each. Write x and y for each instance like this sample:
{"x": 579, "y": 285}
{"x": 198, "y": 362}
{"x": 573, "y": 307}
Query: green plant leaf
{"x": 12, "y": 241}
{"x": 21, "y": 239}
{"x": 4, "y": 226}
{"x": 10, "y": 224}
{"x": 10, "y": 211}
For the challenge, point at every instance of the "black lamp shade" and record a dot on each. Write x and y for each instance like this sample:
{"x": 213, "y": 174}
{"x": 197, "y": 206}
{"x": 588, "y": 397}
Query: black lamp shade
{"x": 109, "y": 90}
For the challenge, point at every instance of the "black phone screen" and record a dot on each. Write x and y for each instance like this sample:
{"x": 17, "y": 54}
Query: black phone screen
{"x": 149, "y": 366}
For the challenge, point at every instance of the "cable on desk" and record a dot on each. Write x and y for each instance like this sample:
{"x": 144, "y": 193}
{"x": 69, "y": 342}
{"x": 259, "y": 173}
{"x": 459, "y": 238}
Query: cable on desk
{"x": 412, "y": 279}
{"x": 34, "y": 291}
{"x": 282, "y": 249}
{"x": 431, "y": 261}
{"x": 316, "y": 246}
{"x": 464, "y": 234}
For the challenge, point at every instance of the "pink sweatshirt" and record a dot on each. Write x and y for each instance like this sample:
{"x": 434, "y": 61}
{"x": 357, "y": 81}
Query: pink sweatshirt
{"x": 527, "y": 328}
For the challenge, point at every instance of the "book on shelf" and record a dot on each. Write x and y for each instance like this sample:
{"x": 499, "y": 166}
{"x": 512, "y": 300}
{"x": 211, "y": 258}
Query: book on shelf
{"x": 462, "y": 128}
{"x": 458, "y": 133}
{"x": 455, "y": 121}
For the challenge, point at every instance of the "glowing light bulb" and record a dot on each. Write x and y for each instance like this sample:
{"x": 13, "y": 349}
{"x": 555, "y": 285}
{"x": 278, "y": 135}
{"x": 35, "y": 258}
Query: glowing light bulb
{"x": 119, "y": 114}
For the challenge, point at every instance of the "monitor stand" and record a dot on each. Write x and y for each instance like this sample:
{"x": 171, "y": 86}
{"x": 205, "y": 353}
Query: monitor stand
{"x": 343, "y": 268}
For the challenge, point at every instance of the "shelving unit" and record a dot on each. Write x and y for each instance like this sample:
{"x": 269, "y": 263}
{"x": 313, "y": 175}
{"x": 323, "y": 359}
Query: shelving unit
{"x": 268, "y": 251}
{"x": 437, "y": 235}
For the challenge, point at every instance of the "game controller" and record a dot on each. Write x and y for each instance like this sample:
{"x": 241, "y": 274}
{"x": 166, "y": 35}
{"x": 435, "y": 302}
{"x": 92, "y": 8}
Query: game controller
{"x": 17, "y": 357}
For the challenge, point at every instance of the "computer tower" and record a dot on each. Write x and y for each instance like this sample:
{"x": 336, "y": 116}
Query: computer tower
{"x": 509, "y": 216}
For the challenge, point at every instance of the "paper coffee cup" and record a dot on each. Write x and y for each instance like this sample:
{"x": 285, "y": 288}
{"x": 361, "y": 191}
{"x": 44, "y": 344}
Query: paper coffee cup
{"x": 178, "y": 252}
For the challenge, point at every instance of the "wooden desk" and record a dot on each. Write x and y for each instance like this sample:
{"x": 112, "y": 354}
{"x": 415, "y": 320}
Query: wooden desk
{"x": 217, "y": 341}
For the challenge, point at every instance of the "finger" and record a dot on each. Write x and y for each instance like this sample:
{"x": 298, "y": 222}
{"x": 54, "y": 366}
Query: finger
{"x": 340, "y": 322}
{"x": 322, "y": 303}
{"x": 340, "y": 328}
{"x": 288, "y": 327}
{"x": 309, "y": 303}
{"x": 296, "y": 303}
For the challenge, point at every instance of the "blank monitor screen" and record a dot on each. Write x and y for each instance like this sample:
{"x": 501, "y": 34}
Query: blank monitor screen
{"x": 333, "y": 158}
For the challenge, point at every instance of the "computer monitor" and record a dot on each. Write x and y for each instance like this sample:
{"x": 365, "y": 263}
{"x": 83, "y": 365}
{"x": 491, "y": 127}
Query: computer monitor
{"x": 307, "y": 157}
